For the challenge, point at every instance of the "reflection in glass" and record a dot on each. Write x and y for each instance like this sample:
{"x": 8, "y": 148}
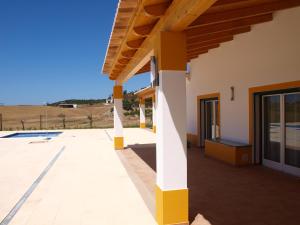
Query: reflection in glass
{"x": 292, "y": 129}
{"x": 272, "y": 128}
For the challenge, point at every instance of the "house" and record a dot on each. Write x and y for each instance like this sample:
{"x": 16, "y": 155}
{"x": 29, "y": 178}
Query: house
{"x": 64, "y": 105}
{"x": 240, "y": 100}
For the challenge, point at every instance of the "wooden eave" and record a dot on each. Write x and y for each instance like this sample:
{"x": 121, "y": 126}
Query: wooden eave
{"x": 145, "y": 93}
{"x": 207, "y": 24}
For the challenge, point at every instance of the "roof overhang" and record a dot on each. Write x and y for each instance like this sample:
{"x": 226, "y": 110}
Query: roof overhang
{"x": 207, "y": 24}
{"x": 144, "y": 93}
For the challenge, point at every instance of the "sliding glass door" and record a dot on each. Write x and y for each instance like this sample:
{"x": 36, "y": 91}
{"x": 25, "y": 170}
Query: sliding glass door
{"x": 281, "y": 132}
{"x": 209, "y": 119}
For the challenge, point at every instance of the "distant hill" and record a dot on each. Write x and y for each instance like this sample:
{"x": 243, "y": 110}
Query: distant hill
{"x": 78, "y": 102}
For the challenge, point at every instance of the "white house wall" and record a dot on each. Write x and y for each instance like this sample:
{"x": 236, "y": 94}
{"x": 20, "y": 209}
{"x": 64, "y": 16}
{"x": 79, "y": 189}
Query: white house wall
{"x": 269, "y": 54}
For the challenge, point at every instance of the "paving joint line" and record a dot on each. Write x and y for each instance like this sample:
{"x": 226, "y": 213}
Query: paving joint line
{"x": 109, "y": 137}
{"x": 8, "y": 218}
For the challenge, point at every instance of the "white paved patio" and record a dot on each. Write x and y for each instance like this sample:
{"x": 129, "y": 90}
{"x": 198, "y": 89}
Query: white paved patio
{"x": 87, "y": 184}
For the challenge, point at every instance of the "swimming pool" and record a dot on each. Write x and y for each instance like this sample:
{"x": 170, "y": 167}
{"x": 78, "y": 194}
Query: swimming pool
{"x": 33, "y": 134}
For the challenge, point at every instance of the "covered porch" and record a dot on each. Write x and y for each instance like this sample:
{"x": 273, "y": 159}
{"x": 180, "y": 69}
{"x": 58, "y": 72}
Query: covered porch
{"x": 165, "y": 38}
{"x": 221, "y": 193}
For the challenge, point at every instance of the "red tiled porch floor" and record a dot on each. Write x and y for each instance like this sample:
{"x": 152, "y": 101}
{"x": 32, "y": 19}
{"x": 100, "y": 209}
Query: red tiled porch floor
{"x": 227, "y": 195}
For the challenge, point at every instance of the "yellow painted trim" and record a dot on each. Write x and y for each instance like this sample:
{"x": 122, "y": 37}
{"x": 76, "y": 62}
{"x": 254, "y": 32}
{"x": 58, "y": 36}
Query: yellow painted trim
{"x": 142, "y": 125}
{"x": 142, "y": 101}
{"x": 119, "y": 143}
{"x": 170, "y": 57}
{"x": 154, "y": 129}
{"x": 153, "y": 98}
{"x": 172, "y": 206}
{"x": 118, "y": 92}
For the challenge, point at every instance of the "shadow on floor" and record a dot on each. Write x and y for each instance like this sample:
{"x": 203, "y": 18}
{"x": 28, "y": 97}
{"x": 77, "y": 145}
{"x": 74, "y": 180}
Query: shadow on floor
{"x": 227, "y": 195}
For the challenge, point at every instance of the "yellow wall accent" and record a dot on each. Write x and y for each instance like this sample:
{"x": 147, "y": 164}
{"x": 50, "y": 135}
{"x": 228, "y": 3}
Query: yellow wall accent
{"x": 237, "y": 156}
{"x": 172, "y": 206}
{"x": 170, "y": 50}
{"x": 118, "y": 92}
{"x": 153, "y": 98}
{"x": 119, "y": 143}
{"x": 142, "y": 101}
{"x": 154, "y": 129}
{"x": 142, "y": 125}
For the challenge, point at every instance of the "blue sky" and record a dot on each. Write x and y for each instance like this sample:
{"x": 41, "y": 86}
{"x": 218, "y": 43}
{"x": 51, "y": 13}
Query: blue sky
{"x": 53, "y": 50}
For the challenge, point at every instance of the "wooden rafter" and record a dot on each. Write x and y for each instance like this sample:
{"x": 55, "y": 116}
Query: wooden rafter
{"x": 206, "y": 48}
{"x": 213, "y": 28}
{"x": 240, "y": 13}
{"x": 144, "y": 69}
{"x": 177, "y": 17}
{"x": 195, "y": 47}
{"x": 124, "y": 61}
{"x": 157, "y": 10}
{"x": 210, "y": 36}
{"x": 135, "y": 44}
{"x": 207, "y": 23}
{"x": 191, "y": 56}
{"x": 129, "y": 53}
{"x": 144, "y": 30}
{"x": 224, "y": 2}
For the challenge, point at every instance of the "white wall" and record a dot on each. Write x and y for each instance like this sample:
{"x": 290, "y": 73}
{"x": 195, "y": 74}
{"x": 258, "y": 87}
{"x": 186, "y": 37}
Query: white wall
{"x": 269, "y": 54}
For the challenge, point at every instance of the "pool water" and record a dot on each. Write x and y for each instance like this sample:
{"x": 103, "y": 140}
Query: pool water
{"x": 33, "y": 134}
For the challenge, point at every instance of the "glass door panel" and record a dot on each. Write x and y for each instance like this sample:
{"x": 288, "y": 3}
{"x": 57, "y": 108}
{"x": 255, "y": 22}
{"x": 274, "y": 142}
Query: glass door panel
{"x": 208, "y": 119}
{"x": 292, "y": 129}
{"x": 272, "y": 128}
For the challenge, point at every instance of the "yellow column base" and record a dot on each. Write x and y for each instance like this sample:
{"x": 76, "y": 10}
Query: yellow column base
{"x": 119, "y": 143}
{"x": 142, "y": 125}
{"x": 172, "y": 206}
{"x": 154, "y": 129}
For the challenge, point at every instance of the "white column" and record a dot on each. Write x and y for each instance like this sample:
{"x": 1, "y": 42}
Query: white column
{"x": 171, "y": 131}
{"x": 171, "y": 159}
{"x": 153, "y": 76}
{"x": 142, "y": 114}
{"x": 118, "y": 117}
{"x": 154, "y": 111}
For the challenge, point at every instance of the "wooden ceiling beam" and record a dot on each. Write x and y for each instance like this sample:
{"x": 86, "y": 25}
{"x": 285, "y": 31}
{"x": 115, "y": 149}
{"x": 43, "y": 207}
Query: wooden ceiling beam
{"x": 129, "y": 53}
{"x": 124, "y": 61}
{"x": 120, "y": 66}
{"x": 177, "y": 18}
{"x": 211, "y": 36}
{"x": 206, "y": 48}
{"x": 230, "y": 25}
{"x": 135, "y": 44}
{"x": 269, "y": 7}
{"x": 116, "y": 71}
{"x": 144, "y": 30}
{"x": 225, "y": 2}
{"x": 190, "y": 57}
{"x": 157, "y": 10}
{"x": 194, "y": 47}
{"x": 144, "y": 69}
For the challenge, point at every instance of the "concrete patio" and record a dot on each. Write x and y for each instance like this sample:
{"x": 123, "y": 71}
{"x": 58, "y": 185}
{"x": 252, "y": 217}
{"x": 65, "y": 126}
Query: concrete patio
{"x": 86, "y": 185}
{"x": 91, "y": 183}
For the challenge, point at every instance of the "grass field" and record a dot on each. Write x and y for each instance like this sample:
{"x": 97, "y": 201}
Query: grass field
{"x": 85, "y": 116}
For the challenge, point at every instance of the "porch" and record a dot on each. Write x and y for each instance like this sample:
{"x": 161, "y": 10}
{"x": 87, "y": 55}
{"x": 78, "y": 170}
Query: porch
{"x": 224, "y": 194}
